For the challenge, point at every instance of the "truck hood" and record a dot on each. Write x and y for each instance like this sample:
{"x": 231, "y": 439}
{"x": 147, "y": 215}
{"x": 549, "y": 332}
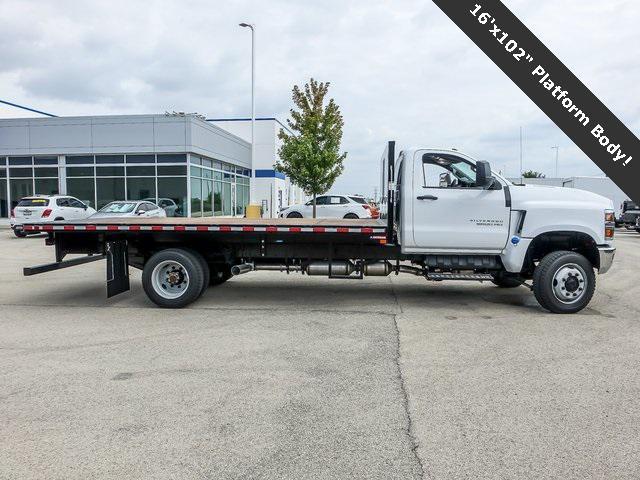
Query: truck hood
{"x": 560, "y": 209}
{"x": 524, "y": 196}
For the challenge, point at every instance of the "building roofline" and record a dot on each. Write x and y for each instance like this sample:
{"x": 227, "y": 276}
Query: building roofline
{"x": 27, "y": 108}
{"x": 248, "y": 119}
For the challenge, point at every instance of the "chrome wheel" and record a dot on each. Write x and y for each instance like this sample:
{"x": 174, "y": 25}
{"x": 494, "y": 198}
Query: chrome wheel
{"x": 170, "y": 279}
{"x": 569, "y": 283}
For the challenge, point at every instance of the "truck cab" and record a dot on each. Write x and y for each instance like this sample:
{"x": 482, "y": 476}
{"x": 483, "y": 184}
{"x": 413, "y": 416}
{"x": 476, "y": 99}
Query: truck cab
{"x": 451, "y": 209}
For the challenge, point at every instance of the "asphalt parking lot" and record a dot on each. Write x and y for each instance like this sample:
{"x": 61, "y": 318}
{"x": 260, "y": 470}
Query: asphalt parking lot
{"x": 274, "y": 376}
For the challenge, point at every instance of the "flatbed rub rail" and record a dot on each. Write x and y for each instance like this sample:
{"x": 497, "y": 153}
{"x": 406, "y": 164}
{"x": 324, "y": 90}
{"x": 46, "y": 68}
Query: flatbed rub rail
{"x": 200, "y": 228}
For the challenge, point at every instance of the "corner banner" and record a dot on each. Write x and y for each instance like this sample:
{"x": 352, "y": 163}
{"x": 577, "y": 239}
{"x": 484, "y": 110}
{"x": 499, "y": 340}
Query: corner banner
{"x": 551, "y": 86}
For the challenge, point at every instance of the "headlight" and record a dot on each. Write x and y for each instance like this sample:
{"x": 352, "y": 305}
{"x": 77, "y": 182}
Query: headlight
{"x": 609, "y": 224}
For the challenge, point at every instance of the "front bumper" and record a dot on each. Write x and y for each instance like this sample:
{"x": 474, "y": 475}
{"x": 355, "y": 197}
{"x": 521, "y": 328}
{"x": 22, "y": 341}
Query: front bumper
{"x": 606, "y": 258}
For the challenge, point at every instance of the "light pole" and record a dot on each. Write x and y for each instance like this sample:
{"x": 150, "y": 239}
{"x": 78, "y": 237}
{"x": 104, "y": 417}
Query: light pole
{"x": 521, "y": 181}
{"x": 557, "y": 149}
{"x": 252, "y": 185}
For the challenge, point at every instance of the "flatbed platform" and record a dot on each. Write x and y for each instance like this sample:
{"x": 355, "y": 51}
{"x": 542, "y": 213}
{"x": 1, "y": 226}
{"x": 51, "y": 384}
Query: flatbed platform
{"x": 217, "y": 224}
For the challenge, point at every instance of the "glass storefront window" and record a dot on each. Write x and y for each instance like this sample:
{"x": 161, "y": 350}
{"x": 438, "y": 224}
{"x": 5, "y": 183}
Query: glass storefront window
{"x": 217, "y": 198}
{"x": 109, "y": 190}
{"x": 172, "y": 170}
{"x": 149, "y": 171}
{"x": 109, "y": 158}
{"x": 47, "y": 186}
{"x": 20, "y": 161}
{"x": 80, "y": 172}
{"x": 83, "y": 189}
{"x": 4, "y": 205}
{"x": 141, "y": 158}
{"x": 226, "y": 199}
{"x": 46, "y": 172}
{"x": 45, "y": 161}
{"x": 20, "y": 188}
{"x": 196, "y": 197}
{"x": 172, "y": 195}
{"x": 218, "y": 188}
{"x": 110, "y": 172}
{"x": 20, "y": 173}
{"x": 141, "y": 188}
{"x": 207, "y": 198}
{"x": 172, "y": 158}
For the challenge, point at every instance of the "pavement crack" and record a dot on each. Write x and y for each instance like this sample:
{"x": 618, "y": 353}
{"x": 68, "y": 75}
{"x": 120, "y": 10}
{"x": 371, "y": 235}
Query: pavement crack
{"x": 409, "y": 427}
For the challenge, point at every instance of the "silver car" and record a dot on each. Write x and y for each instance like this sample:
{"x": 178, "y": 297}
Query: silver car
{"x": 132, "y": 208}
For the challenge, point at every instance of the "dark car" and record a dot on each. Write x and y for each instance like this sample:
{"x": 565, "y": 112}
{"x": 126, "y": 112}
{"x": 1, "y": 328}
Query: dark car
{"x": 629, "y": 213}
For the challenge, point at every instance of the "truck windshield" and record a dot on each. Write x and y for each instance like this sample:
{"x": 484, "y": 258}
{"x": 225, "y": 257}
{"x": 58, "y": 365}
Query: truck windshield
{"x": 118, "y": 208}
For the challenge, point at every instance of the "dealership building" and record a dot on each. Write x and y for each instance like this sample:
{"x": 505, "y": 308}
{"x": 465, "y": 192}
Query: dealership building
{"x": 189, "y": 165}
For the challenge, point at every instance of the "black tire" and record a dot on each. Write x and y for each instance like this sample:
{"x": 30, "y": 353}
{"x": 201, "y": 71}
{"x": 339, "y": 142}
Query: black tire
{"x": 294, "y": 215}
{"x": 505, "y": 280}
{"x": 206, "y": 273}
{"x": 19, "y": 233}
{"x": 219, "y": 274}
{"x": 351, "y": 216}
{"x": 545, "y": 282}
{"x": 638, "y": 230}
{"x": 189, "y": 261}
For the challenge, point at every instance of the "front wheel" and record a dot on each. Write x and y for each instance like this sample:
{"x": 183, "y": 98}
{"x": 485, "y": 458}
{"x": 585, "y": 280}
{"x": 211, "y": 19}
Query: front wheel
{"x": 564, "y": 282}
{"x": 173, "y": 278}
{"x": 351, "y": 216}
{"x": 294, "y": 215}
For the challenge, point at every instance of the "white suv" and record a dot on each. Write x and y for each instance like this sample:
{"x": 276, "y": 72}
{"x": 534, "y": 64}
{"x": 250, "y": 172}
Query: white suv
{"x": 330, "y": 206}
{"x": 44, "y": 209}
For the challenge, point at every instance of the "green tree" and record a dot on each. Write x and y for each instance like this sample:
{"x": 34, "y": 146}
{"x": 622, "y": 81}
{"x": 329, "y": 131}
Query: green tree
{"x": 311, "y": 157}
{"x": 532, "y": 174}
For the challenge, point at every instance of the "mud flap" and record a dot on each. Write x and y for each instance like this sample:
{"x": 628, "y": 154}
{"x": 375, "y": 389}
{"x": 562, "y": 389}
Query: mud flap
{"x": 117, "y": 268}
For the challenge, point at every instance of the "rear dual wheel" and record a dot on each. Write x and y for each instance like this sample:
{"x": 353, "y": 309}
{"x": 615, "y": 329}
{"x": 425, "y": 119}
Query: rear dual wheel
{"x": 173, "y": 278}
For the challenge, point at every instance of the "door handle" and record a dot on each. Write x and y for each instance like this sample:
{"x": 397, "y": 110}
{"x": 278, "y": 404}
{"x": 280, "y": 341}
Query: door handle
{"x": 427, "y": 197}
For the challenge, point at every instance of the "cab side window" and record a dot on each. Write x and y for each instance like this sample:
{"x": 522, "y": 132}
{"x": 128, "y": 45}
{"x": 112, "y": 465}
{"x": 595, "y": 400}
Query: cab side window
{"x": 324, "y": 200}
{"x": 76, "y": 203}
{"x": 447, "y": 171}
{"x": 62, "y": 202}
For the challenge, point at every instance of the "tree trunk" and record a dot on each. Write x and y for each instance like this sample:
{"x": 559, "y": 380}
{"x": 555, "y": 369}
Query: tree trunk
{"x": 314, "y": 205}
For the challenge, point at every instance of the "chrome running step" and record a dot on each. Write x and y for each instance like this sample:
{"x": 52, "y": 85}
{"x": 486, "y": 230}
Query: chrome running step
{"x": 478, "y": 277}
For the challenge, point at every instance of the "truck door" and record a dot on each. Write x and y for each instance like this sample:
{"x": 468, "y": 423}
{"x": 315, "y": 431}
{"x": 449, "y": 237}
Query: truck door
{"x": 450, "y": 212}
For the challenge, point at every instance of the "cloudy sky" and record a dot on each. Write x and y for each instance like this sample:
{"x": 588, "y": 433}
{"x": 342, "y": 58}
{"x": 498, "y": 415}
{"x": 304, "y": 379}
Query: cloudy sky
{"x": 400, "y": 70}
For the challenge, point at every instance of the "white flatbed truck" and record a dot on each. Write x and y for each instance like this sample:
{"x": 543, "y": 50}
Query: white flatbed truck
{"x": 448, "y": 218}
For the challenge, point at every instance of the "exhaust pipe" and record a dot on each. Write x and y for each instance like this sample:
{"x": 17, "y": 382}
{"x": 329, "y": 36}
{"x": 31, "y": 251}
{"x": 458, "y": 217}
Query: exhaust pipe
{"x": 242, "y": 268}
{"x": 277, "y": 268}
{"x": 378, "y": 269}
{"x": 337, "y": 268}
